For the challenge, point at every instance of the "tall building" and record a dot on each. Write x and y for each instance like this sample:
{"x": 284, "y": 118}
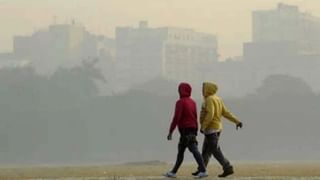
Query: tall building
{"x": 61, "y": 45}
{"x": 145, "y": 53}
{"x": 283, "y": 32}
{"x": 284, "y": 41}
{"x": 186, "y": 53}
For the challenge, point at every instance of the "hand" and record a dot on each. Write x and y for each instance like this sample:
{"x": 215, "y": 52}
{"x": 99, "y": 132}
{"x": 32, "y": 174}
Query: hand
{"x": 239, "y": 125}
{"x": 169, "y": 137}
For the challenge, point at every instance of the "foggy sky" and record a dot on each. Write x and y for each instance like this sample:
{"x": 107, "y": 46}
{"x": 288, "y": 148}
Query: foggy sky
{"x": 229, "y": 19}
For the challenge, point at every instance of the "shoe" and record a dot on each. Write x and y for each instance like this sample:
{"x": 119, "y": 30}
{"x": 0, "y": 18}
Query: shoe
{"x": 226, "y": 173}
{"x": 202, "y": 175}
{"x": 170, "y": 175}
{"x": 195, "y": 173}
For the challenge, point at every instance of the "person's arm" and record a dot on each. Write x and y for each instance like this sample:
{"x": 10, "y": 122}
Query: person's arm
{"x": 196, "y": 113}
{"x": 208, "y": 115}
{"x": 202, "y": 112}
{"x": 176, "y": 118}
{"x": 202, "y": 115}
{"x": 228, "y": 115}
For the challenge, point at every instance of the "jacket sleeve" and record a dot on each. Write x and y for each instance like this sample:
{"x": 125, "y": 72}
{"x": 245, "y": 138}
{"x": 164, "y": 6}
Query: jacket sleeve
{"x": 176, "y": 117}
{"x": 196, "y": 113}
{"x": 228, "y": 115}
{"x": 208, "y": 115}
{"x": 202, "y": 113}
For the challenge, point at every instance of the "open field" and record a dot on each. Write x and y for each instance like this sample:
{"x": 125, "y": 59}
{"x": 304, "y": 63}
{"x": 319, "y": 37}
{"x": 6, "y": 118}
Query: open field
{"x": 242, "y": 171}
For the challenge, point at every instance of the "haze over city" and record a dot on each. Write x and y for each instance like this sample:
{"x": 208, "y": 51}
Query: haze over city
{"x": 87, "y": 82}
{"x": 229, "y": 20}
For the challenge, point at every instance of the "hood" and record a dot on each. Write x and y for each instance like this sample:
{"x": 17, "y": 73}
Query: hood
{"x": 185, "y": 90}
{"x": 209, "y": 89}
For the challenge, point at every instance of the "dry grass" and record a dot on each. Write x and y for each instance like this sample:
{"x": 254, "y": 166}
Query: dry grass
{"x": 241, "y": 169}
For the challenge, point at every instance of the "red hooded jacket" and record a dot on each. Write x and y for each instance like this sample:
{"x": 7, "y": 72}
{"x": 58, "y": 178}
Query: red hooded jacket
{"x": 185, "y": 116}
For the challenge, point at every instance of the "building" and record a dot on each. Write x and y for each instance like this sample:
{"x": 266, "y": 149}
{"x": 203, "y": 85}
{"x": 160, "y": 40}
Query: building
{"x": 62, "y": 45}
{"x": 187, "y": 53}
{"x": 284, "y": 41}
{"x": 145, "y": 53}
{"x": 283, "y": 32}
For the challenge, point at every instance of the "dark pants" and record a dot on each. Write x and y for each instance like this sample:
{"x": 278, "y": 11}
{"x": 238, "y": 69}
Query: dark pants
{"x": 211, "y": 147}
{"x": 190, "y": 142}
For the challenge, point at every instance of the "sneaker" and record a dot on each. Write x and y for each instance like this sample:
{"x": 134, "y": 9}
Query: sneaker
{"x": 226, "y": 173}
{"x": 170, "y": 175}
{"x": 202, "y": 175}
{"x": 195, "y": 173}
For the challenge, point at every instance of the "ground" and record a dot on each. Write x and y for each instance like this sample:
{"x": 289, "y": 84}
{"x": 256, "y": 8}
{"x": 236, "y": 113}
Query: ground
{"x": 310, "y": 170}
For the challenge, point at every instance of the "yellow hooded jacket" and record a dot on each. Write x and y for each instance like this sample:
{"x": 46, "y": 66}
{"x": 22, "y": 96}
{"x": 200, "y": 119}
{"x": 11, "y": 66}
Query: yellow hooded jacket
{"x": 213, "y": 109}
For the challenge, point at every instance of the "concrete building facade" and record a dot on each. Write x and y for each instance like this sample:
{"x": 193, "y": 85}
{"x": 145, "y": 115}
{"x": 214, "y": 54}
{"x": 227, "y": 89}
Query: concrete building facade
{"x": 64, "y": 45}
{"x": 284, "y": 41}
{"x": 284, "y": 32}
{"x": 145, "y": 53}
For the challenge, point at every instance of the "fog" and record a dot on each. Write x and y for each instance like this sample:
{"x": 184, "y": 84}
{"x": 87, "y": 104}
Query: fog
{"x": 95, "y": 82}
{"x": 231, "y": 21}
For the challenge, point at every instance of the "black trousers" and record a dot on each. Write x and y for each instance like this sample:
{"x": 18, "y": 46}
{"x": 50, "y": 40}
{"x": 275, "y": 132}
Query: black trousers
{"x": 190, "y": 142}
{"x": 211, "y": 147}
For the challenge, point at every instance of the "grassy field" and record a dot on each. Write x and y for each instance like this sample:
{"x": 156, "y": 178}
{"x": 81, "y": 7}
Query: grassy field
{"x": 242, "y": 171}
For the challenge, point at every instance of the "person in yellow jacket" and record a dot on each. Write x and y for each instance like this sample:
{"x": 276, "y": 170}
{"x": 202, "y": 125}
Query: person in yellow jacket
{"x": 213, "y": 109}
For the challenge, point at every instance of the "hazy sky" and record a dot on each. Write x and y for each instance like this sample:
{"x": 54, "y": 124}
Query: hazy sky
{"x": 229, "y": 19}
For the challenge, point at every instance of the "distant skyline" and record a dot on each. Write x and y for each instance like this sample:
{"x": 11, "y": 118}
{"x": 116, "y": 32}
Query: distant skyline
{"x": 228, "y": 19}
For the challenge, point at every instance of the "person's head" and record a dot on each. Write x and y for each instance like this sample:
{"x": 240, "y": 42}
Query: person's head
{"x": 209, "y": 88}
{"x": 184, "y": 90}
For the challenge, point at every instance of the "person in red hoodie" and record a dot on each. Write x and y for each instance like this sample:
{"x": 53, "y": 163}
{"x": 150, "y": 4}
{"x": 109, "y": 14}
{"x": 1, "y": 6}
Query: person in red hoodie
{"x": 185, "y": 117}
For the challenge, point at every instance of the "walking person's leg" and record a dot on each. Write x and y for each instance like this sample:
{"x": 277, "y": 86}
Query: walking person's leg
{"x": 193, "y": 148}
{"x": 206, "y": 154}
{"x": 206, "y": 151}
{"x": 217, "y": 153}
{"x": 180, "y": 156}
